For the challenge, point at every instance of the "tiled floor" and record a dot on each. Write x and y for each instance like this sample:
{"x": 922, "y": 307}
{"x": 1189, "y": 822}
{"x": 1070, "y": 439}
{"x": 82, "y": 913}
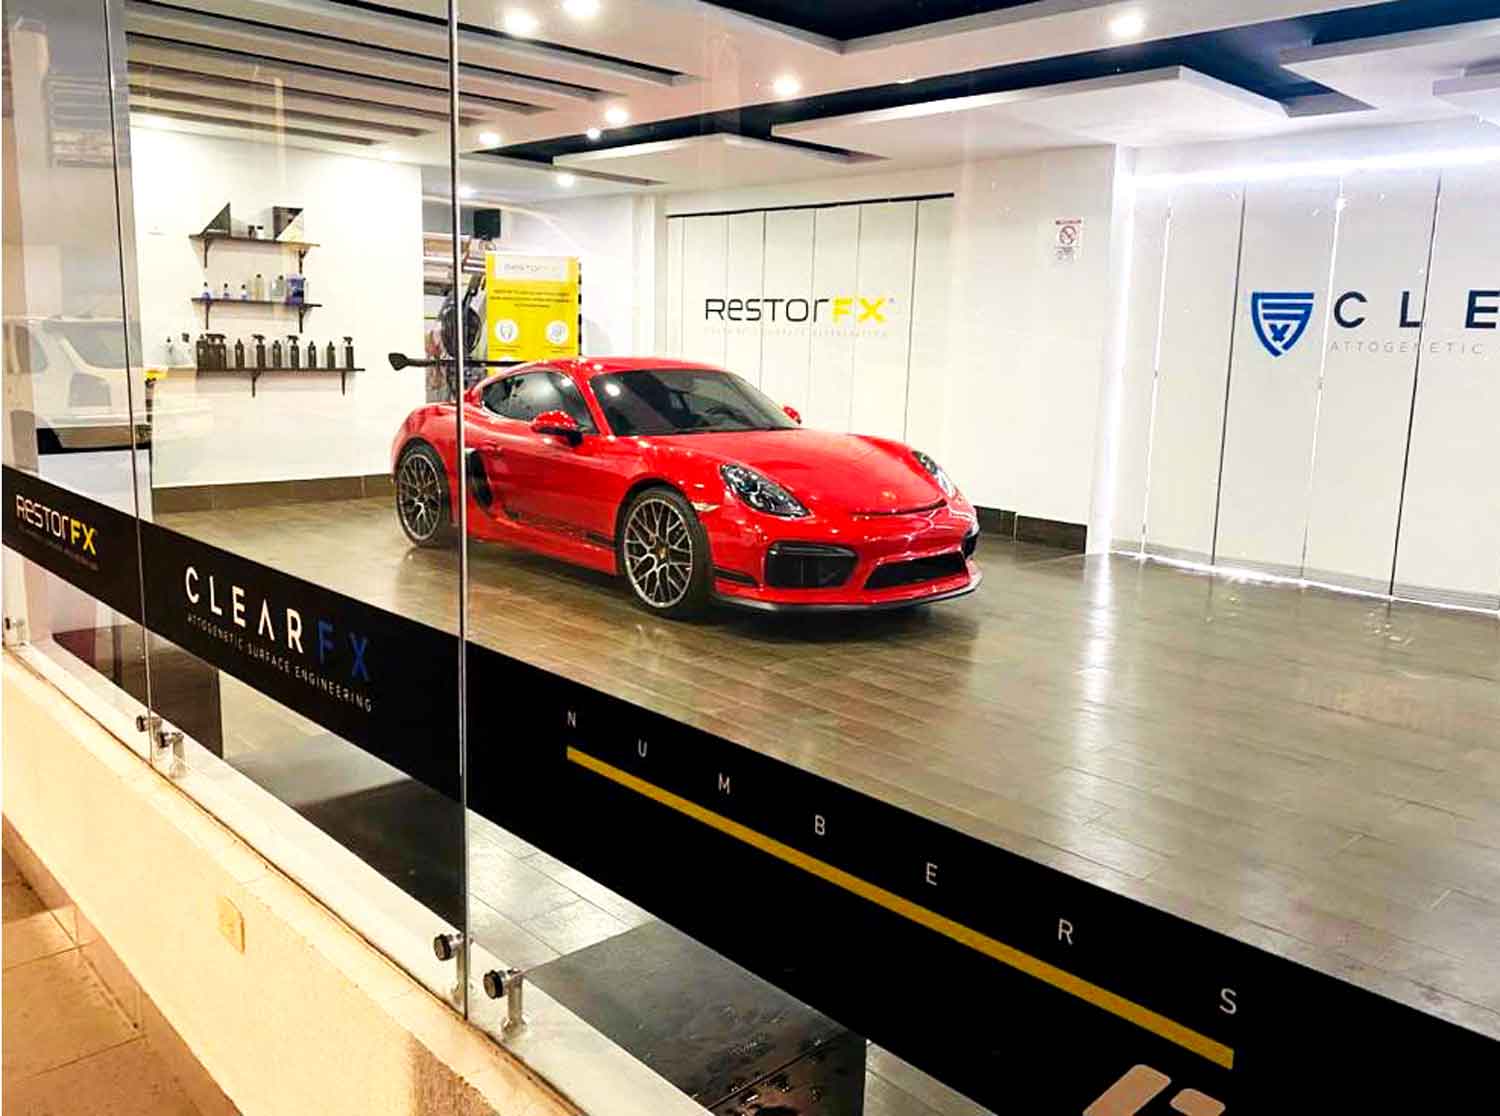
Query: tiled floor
{"x": 69, "y": 1048}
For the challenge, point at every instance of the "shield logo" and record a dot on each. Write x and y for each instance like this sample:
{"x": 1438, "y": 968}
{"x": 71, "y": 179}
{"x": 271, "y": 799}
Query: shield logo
{"x": 1280, "y": 318}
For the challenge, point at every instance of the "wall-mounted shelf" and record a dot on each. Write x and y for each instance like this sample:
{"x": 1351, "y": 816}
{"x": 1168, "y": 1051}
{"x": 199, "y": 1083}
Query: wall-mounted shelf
{"x": 256, "y": 373}
{"x": 208, "y": 239}
{"x": 209, "y": 303}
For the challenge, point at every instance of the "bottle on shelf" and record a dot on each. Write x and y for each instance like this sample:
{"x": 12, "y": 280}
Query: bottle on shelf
{"x": 207, "y": 294}
{"x": 331, "y": 356}
{"x": 239, "y": 353}
{"x": 276, "y": 358}
{"x": 203, "y": 352}
{"x": 348, "y": 352}
{"x": 278, "y": 288}
{"x": 169, "y": 356}
{"x": 244, "y": 293}
{"x": 258, "y": 287}
{"x": 226, "y": 290}
{"x": 260, "y": 349}
{"x": 312, "y": 355}
{"x": 293, "y": 352}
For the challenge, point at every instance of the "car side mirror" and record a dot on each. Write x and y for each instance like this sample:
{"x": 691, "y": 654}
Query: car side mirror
{"x": 559, "y": 423}
{"x": 792, "y": 413}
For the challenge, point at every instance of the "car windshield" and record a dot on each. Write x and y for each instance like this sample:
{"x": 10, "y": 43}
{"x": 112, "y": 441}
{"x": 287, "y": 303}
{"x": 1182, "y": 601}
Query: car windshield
{"x": 684, "y": 401}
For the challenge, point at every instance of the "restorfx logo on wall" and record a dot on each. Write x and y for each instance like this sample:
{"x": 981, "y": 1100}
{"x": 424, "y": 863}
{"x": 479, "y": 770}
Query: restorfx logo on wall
{"x": 1281, "y": 318}
{"x": 836, "y": 315}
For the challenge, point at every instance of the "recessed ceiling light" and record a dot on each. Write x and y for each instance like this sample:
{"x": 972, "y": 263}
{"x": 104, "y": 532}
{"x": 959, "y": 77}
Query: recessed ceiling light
{"x": 489, "y": 139}
{"x": 594, "y": 133}
{"x": 565, "y": 179}
{"x": 581, "y": 9}
{"x": 1127, "y": 25}
{"x": 615, "y": 115}
{"x": 466, "y": 191}
{"x": 520, "y": 22}
{"x": 786, "y": 86}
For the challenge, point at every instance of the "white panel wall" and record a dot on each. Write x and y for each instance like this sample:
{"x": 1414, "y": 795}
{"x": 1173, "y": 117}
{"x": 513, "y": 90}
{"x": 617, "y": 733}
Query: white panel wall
{"x": 1381, "y": 252}
{"x": 927, "y": 389}
{"x": 1449, "y": 544}
{"x": 705, "y": 254}
{"x": 742, "y": 340}
{"x": 836, "y": 245}
{"x": 836, "y": 322}
{"x": 1195, "y": 340}
{"x": 1138, "y": 379}
{"x": 785, "y": 350}
{"x": 882, "y": 352}
{"x": 1273, "y": 395}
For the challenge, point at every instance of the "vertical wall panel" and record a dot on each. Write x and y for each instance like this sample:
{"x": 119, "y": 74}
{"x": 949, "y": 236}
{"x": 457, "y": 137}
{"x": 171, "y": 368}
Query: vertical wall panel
{"x": 743, "y": 275}
{"x": 1384, "y": 234}
{"x": 1200, "y": 299}
{"x": 1149, "y": 248}
{"x": 1449, "y": 543}
{"x": 704, "y": 256}
{"x": 835, "y": 274}
{"x": 887, "y": 255}
{"x": 927, "y": 360}
{"x": 1273, "y": 394}
{"x": 788, "y": 273}
{"x": 675, "y": 285}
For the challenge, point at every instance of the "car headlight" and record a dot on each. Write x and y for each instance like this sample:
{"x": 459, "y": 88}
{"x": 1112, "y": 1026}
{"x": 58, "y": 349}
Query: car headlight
{"x": 948, "y": 487}
{"x": 761, "y": 493}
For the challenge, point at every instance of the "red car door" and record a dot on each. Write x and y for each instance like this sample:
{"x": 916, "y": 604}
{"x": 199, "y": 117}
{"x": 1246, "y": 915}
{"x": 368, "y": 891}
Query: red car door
{"x": 546, "y": 480}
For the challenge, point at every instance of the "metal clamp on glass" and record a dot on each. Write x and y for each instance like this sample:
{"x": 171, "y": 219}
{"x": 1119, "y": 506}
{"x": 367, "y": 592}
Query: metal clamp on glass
{"x": 446, "y": 946}
{"x": 511, "y": 984}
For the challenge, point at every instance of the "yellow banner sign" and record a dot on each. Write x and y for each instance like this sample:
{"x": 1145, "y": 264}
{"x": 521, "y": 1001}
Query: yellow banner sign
{"x": 531, "y": 307}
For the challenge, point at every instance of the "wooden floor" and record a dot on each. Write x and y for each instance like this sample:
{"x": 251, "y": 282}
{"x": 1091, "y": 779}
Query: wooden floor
{"x": 1316, "y": 774}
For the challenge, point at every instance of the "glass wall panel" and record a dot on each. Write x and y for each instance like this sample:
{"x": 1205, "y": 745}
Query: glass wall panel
{"x": 77, "y": 408}
{"x": 280, "y": 168}
{"x": 931, "y": 558}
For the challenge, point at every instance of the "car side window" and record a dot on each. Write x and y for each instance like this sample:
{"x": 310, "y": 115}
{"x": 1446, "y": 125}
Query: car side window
{"x": 500, "y": 396}
{"x": 570, "y": 400}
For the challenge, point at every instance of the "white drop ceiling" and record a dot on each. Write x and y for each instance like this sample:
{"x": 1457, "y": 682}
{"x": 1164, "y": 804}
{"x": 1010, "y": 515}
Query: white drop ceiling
{"x": 712, "y": 161}
{"x": 1173, "y": 105}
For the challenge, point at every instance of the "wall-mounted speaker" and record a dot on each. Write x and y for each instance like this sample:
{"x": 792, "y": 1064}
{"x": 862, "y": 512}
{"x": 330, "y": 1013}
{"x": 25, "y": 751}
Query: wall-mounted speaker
{"x": 487, "y": 224}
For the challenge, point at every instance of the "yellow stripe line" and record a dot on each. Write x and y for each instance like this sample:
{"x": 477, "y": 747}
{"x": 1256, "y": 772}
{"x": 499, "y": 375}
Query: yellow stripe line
{"x": 1060, "y": 979}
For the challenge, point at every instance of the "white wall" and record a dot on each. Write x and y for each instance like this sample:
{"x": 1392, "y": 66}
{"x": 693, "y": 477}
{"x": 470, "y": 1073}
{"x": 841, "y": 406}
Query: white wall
{"x": 996, "y": 349}
{"x": 365, "y": 216}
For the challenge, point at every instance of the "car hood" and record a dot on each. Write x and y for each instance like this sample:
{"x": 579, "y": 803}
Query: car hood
{"x": 824, "y": 469}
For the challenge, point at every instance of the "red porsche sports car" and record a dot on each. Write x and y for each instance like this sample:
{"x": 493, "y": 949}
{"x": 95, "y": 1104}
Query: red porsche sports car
{"x": 692, "y": 484}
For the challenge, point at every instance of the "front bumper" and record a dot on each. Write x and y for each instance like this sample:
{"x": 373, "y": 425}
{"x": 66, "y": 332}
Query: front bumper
{"x": 941, "y": 539}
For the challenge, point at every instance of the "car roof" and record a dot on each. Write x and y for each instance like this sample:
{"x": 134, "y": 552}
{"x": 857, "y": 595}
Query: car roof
{"x": 590, "y": 367}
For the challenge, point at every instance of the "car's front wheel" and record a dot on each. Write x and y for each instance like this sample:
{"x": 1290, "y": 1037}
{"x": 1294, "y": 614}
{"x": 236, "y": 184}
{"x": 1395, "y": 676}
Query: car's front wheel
{"x": 663, "y": 553}
{"x": 422, "y": 503}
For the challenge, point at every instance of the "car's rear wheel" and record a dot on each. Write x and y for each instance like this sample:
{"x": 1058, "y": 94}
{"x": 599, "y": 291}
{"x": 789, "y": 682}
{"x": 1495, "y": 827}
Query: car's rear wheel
{"x": 422, "y": 503}
{"x": 663, "y": 553}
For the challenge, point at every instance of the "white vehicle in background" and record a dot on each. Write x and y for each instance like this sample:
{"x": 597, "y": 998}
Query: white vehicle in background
{"x": 70, "y": 376}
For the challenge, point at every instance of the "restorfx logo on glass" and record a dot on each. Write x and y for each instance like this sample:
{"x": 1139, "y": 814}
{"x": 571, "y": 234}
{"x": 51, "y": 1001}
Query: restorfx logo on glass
{"x": 316, "y": 652}
{"x": 76, "y": 538}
